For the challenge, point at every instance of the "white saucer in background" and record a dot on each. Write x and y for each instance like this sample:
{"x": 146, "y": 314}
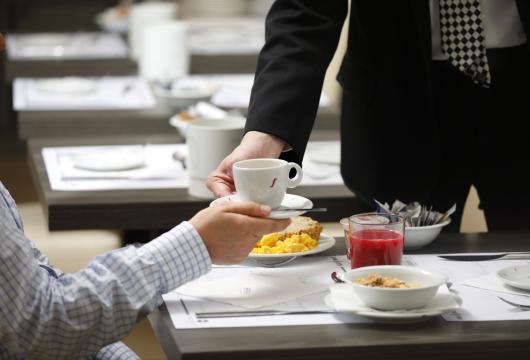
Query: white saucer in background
{"x": 289, "y": 201}
{"x": 110, "y": 160}
{"x": 185, "y": 92}
{"x": 517, "y": 276}
{"x": 329, "y": 155}
{"x": 68, "y": 85}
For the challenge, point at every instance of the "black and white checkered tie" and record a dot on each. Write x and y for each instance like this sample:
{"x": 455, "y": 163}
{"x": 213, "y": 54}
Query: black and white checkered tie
{"x": 463, "y": 38}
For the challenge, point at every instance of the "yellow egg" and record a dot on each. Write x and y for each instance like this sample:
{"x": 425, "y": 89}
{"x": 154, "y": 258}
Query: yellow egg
{"x": 270, "y": 244}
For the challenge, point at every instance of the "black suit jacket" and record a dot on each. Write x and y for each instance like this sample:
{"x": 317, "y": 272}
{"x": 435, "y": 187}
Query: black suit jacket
{"x": 386, "y": 75}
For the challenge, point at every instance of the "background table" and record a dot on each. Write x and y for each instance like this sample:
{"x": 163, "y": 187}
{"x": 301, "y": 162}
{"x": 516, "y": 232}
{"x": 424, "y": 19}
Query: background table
{"x": 199, "y": 64}
{"x": 68, "y": 124}
{"x": 433, "y": 339}
{"x": 150, "y": 209}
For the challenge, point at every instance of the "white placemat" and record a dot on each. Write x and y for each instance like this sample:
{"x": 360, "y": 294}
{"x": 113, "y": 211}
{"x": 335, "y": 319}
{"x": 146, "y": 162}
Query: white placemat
{"x": 67, "y": 46}
{"x": 161, "y": 170}
{"x": 108, "y": 93}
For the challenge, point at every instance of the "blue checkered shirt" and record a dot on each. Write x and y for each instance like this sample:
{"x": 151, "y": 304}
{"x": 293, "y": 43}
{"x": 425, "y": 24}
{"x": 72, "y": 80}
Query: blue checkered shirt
{"x": 45, "y": 314}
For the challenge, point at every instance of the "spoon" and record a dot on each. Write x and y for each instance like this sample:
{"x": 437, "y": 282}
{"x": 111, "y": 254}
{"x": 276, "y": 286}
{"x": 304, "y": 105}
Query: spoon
{"x": 525, "y": 307}
{"x": 336, "y": 278}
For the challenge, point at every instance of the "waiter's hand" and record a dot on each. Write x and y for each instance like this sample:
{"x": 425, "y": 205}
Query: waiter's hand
{"x": 254, "y": 145}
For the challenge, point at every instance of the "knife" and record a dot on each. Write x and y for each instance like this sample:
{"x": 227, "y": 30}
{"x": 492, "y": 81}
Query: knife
{"x": 484, "y": 257}
{"x": 228, "y": 314}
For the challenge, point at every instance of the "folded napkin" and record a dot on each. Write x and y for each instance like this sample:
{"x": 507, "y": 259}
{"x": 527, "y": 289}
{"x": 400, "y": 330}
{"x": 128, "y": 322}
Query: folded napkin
{"x": 250, "y": 290}
{"x": 345, "y": 300}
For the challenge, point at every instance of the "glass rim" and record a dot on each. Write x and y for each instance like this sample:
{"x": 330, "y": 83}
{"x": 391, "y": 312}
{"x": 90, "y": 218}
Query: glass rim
{"x": 391, "y": 216}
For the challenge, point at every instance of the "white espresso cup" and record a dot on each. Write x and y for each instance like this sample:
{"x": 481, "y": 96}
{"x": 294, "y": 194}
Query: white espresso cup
{"x": 265, "y": 181}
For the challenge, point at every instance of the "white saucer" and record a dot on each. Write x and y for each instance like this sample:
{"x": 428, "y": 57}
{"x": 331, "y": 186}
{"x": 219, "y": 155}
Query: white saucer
{"x": 517, "y": 276}
{"x": 110, "y": 160}
{"x": 324, "y": 243}
{"x": 67, "y": 85}
{"x": 329, "y": 155}
{"x": 442, "y": 302}
{"x": 289, "y": 201}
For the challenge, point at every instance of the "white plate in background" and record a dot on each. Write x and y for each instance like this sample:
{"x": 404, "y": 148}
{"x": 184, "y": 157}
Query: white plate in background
{"x": 68, "y": 85}
{"x": 517, "y": 276}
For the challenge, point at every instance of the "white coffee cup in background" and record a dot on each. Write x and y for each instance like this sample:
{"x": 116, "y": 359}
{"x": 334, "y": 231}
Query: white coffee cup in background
{"x": 265, "y": 181}
{"x": 145, "y": 14}
{"x": 209, "y": 142}
{"x": 164, "y": 52}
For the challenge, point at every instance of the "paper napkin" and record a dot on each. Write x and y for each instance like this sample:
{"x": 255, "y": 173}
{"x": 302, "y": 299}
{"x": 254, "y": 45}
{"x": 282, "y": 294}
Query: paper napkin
{"x": 250, "y": 290}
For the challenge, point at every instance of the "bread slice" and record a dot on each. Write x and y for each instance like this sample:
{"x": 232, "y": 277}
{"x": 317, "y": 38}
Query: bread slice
{"x": 302, "y": 224}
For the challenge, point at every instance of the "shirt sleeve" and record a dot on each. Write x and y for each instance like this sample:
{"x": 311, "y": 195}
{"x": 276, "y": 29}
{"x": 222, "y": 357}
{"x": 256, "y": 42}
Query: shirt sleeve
{"x": 76, "y": 315}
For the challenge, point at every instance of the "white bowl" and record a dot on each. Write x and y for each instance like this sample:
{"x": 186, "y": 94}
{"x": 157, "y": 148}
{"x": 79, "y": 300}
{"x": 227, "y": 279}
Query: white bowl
{"x": 419, "y": 236}
{"x": 393, "y": 298}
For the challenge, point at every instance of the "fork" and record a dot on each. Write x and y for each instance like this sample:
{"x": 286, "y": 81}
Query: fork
{"x": 525, "y": 307}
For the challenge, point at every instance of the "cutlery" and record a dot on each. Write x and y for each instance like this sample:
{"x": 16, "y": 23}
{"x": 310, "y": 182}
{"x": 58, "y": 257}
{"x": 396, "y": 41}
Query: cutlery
{"x": 228, "y": 314}
{"x": 483, "y": 257}
{"x": 525, "y": 307}
{"x": 301, "y": 209}
{"x": 272, "y": 264}
{"x": 177, "y": 156}
{"x": 336, "y": 278}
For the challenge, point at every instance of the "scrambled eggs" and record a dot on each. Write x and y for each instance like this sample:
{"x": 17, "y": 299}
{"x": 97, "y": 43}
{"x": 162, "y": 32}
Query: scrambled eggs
{"x": 273, "y": 244}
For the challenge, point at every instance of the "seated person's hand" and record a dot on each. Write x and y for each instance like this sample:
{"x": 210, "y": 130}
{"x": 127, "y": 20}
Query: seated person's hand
{"x": 254, "y": 145}
{"x": 231, "y": 231}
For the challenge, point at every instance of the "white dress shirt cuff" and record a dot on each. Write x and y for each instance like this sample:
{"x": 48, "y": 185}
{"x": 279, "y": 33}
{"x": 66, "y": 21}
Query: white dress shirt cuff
{"x": 180, "y": 254}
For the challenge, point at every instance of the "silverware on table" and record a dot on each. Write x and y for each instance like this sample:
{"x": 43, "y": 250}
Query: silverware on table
{"x": 336, "y": 278}
{"x": 245, "y": 313}
{"x": 301, "y": 209}
{"x": 484, "y": 257}
{"x": 525, "y": 307}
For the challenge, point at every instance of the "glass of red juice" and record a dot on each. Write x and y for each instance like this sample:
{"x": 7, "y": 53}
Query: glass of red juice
{"x": 375, "y": 239}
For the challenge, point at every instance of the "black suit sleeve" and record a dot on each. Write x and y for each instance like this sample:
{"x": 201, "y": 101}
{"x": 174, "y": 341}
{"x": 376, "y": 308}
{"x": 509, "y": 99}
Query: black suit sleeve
{"x": 301, "y": 38}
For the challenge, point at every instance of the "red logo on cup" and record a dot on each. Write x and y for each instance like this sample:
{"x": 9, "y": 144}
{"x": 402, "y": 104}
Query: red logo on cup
{"x": 273, "y": 182}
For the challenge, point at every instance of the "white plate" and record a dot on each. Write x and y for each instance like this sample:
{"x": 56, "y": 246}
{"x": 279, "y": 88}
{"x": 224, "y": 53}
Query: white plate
{"x": 289, "y": 201}
{"x": 397, "y": 317}
{"x": 517, "y": 276}
{"x": 110, "y": 160}
{"x": 329, "y": 155}
{"x": 68, "y": 85}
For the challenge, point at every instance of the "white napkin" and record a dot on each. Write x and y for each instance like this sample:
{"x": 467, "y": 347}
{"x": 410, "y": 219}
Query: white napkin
{"x": 109, "y": 93}
{"x": 345, "y": 300}
{"x": 158, "y": 164}
{"x": 250, "y": 290}
{"x": 492, "y": 282}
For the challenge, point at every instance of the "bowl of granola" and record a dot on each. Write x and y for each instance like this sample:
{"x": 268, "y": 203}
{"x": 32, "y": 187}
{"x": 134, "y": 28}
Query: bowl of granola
{"x": 395, "y": 287}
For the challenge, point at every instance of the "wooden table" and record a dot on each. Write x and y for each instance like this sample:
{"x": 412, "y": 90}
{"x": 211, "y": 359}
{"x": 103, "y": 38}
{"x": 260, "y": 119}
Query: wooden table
{"x": 434, "y": 339}
{"x": 95, "y": 123}
{"x": 199, "y": 64}
{"x": 150, "y": 209}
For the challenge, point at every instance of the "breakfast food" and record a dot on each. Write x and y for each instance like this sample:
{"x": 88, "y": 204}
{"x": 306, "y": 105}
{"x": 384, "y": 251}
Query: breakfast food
{"x": 376, "y": 280}
{"x": 301, "y": 235}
